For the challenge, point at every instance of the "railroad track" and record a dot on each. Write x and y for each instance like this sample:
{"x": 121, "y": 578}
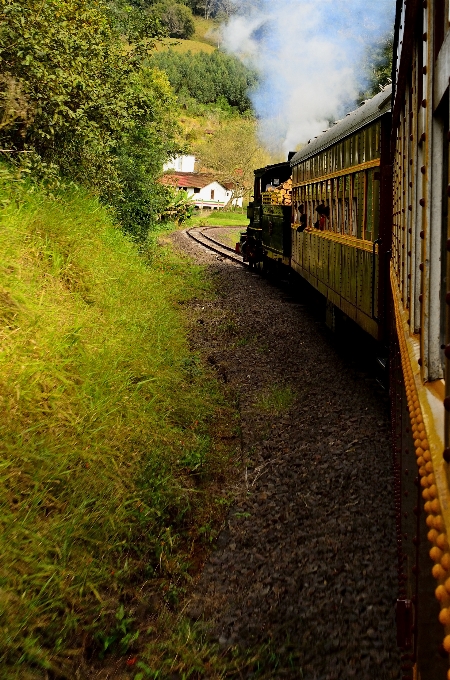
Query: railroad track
{"x": 198, "y": 234}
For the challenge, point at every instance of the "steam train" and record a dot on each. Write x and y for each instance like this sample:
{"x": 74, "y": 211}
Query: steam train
{"x": 366, "y": 223}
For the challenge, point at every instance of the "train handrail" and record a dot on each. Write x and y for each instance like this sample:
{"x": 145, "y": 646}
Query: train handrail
{"x": 375, "y": 243}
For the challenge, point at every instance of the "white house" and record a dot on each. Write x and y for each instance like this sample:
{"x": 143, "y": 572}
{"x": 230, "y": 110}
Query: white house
{"x": 206, "y": 192}
{"x": 180, "y": 164}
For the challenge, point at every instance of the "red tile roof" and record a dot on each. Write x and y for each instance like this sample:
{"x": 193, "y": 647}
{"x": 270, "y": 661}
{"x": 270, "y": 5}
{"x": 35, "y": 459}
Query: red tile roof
{"x": 197, "y": 180}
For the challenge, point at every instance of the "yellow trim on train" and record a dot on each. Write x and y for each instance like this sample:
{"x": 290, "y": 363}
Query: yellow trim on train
{"x": 430, "y": 398}
{"x": 339, "y": 173}
{"x": 427, "y": 424}
{"x": 345, "y": 239}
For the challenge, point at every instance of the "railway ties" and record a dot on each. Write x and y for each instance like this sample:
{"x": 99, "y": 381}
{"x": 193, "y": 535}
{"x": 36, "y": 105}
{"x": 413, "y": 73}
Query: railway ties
{"x": 306, "y": 560}
{"x": 199, "y": 235}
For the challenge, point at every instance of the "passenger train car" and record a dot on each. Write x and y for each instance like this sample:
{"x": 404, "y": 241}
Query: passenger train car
{"x": 369, "y": 229}
{"x": 341, "y": 212}
{"x": 420, "y": 338}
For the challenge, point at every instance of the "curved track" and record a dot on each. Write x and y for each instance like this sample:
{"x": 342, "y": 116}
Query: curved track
{"x": 198, "y": 234}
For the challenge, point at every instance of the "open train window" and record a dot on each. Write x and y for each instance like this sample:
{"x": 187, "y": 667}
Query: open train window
{"x": 369, "y": 205}
{"x": 439, "y": 25}
{"x": 445, "y": 230}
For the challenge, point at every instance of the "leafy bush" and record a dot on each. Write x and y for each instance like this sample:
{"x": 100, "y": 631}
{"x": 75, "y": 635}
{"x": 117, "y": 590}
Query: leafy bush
{"x": 175, "y": 17}
{"x": 208, "y": 78}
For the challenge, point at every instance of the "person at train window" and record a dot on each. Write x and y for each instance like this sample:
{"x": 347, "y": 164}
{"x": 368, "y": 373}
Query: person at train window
{"x": 322, "y": 215}
{"x": 302, "y": 219}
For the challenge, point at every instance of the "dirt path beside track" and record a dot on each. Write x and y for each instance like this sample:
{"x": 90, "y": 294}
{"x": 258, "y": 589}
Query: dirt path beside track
{"x": 307, "y": 561}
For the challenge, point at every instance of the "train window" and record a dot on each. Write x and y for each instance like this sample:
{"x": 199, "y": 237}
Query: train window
{"x": 374, "y": 141}
{"x": 439, "y": 25}
{"x": 378, "y": 136}
{"x": 369, "y": 206}
{"x": 376, "y": 203}
{"x": 358, "y": 202}
{"x": 445, "y": 233}
{"x": 346, "y": 203}
{"x": 353, "y": 213}
{"x": 367, "y": 144}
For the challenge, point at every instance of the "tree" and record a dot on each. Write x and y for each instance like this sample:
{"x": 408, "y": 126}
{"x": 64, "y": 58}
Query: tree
{"x": 209, "y": 78}
{"x": 79, "y": 101}
{"x": 378, "y": 65}
{"x": 232, "y": 153}
{"x": 175, "y": 17}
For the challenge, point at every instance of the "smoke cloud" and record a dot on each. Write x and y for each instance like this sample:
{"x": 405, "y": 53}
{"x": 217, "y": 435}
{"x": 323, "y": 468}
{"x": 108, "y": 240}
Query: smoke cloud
{"x": 309, "y": 55}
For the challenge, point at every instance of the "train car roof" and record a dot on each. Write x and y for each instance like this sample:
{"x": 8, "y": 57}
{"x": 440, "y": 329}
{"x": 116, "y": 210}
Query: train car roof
{"x": 369, "y": 111}
{"x": 275, "y": 166}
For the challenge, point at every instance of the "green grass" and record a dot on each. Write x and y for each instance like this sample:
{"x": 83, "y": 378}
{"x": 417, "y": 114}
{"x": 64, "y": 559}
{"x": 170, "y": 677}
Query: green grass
{"x": 108, "y": 462}
{"x": 179, "y": 45}
{"x": 206, "y": 30}
{"x": 180, "y": 648}
{"x": 276, "y": 399}
{"x": 220, "y": 218}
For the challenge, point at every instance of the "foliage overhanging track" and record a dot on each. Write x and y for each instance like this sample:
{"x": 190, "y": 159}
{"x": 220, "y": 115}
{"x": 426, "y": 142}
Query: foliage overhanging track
{"x": 198, "y": 235}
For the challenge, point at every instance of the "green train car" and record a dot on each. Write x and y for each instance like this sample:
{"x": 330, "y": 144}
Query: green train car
{"x": 268, "y": 237}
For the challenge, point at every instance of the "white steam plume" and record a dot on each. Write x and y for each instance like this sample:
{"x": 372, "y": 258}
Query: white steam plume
{"x": 309, "y": 56}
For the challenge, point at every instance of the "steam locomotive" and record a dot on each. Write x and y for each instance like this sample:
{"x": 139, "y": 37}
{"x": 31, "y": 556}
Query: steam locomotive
{"x": 367, "y": 225}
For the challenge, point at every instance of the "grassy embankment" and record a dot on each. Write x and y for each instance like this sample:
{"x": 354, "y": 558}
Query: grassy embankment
{"x": 109, "y": 478}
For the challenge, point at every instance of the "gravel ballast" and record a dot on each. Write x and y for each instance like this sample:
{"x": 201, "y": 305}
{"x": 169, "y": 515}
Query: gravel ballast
{"x": 307, "y": 560}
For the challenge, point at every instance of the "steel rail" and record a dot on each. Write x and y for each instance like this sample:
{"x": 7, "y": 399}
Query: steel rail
{"x": 220, "y": 250}
{"x": 213, "y": 240}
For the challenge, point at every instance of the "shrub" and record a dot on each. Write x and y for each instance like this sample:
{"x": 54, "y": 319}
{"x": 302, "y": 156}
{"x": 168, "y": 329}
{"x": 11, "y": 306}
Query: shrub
{"x": 208, "y": 78}
{"x": 175, "y": 17}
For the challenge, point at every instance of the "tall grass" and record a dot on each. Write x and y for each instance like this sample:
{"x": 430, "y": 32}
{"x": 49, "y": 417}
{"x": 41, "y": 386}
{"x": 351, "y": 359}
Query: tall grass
{"x": 102, "y": 409}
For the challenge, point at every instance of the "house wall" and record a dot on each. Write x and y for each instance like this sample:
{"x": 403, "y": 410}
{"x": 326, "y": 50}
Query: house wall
{"x": 180, "y": 164}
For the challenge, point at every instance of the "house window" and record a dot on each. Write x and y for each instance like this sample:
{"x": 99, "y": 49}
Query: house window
{"x": 212, "y": 194}
{"x": 196, "y": 190}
